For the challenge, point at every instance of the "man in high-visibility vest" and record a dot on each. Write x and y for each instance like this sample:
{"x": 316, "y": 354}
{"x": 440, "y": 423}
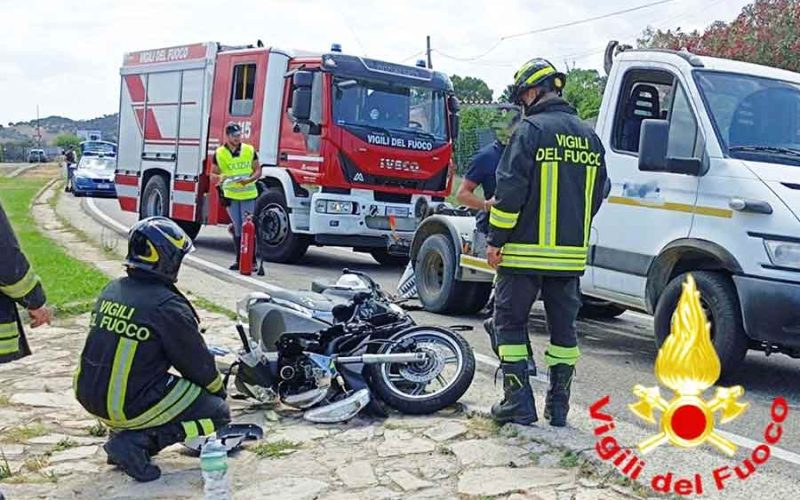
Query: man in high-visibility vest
{"x": 18, "y": 285}
{"x": 549, "y": 187}
{"x": 237, "y": 164}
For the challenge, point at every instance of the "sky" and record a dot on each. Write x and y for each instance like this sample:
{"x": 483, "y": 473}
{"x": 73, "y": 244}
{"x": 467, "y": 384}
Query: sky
{"x": 65, "y": 56}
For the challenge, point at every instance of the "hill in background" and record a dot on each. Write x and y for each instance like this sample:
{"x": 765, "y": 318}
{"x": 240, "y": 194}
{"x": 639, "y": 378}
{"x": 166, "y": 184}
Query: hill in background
{"x": 52, "y": 126}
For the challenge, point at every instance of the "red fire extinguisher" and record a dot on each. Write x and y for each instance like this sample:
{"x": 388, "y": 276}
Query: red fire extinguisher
{"x": 248, "y": 247}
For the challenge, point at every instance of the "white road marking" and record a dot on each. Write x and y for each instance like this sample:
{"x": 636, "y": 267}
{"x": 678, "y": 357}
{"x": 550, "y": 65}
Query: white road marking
{"x": 742, "y": 441}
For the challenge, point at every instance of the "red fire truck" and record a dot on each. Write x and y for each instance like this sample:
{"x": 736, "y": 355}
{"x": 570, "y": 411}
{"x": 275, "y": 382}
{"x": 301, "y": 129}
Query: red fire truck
{"x": 354, "y": 149}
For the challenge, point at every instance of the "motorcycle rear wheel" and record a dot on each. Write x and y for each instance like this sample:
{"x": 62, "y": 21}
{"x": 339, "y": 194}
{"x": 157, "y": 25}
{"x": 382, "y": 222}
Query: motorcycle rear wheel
{"x": 426, "y": 387}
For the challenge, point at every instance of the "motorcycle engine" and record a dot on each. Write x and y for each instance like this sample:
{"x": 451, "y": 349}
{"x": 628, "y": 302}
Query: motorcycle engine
{"x": 305, "y": 374}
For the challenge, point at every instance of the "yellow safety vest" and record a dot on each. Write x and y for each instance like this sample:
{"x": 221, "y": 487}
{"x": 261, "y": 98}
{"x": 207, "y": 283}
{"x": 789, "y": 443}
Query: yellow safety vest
{"x": 234, "y": 166}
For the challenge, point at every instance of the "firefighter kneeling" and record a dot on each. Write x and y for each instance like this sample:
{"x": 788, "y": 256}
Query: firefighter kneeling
{"x": 539, "y": 239}
{"x": 140, "y": 327}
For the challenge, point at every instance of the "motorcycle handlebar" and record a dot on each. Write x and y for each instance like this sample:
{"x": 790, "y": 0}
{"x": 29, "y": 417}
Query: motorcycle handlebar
{"x": 243, "y": 337}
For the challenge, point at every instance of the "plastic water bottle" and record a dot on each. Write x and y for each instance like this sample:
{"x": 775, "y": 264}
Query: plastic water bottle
{"x": 214, "y": 464}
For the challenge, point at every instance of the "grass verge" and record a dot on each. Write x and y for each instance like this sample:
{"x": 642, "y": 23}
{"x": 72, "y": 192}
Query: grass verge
{"x": 275, "y": 449}
{"x": 67, "y": 281}
{"x": 23, "y": 433}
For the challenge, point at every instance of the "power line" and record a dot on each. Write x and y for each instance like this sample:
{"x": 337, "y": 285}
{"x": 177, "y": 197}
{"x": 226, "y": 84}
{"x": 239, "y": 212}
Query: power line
{"x": 554, "y": 28}
{"x": 581, "y": 55}
{"x": 588, "y": 20}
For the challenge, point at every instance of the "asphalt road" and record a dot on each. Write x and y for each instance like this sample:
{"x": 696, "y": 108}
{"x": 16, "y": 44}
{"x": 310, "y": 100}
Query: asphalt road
{"x": 617, "y": 355}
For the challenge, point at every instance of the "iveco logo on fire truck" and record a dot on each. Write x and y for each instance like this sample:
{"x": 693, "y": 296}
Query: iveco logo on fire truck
{"x": 400, "y": 165}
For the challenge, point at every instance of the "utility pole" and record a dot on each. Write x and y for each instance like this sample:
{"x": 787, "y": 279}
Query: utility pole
{"x": 430, "y": 65}
{"x": 38, "y": 129}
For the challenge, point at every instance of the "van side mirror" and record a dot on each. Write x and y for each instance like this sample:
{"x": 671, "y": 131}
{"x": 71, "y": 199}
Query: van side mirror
{"x": 653, "y": 143}
{"x": 453, "y": 107}
{"x": 301, "y": 96}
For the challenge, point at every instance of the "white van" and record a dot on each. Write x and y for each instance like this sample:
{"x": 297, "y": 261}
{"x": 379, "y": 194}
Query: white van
{"x": 704, "y": 159}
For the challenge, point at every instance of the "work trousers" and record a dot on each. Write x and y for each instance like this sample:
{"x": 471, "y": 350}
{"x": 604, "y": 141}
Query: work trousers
{"x": 514, "y": 297}
{"x": 238, "y": 210}
{"x": 207, "y": 414}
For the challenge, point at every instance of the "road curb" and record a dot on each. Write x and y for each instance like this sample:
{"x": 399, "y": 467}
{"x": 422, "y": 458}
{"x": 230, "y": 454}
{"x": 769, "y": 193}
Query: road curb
{"x": 89, "y": 207}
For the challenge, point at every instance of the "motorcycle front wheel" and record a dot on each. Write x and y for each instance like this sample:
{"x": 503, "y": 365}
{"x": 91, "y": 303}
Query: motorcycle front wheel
{"x": 427, "y": 386}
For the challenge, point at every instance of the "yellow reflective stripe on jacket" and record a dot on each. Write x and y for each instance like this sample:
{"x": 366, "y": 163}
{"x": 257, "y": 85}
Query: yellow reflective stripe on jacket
{"x": 544, "y": 264}
{"x": 548, "y": 204}
{"x": 215, "y": 385}
{"x": 9, "y": 346}
{"x": 118, "y": 383}
{"x": 8, "y": 331}
{"x": 174, "y": 403}
{"x": 501, "y": 219}
{"x": 591, "y": 175}
{"x": 22, "y": 287}
{"x": 556, "y": 252}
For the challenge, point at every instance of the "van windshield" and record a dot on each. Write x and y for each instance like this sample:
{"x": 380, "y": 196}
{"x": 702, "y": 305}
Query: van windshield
{"x": 756, "y": 118}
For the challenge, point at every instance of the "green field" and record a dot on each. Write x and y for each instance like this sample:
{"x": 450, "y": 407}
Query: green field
{"x": 70, "y": 284}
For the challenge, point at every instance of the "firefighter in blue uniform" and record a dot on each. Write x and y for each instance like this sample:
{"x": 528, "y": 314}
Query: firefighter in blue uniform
{"x": 19, "y": 284}
{"x": 549, "y": 187}
{"x": 140, "y": 327}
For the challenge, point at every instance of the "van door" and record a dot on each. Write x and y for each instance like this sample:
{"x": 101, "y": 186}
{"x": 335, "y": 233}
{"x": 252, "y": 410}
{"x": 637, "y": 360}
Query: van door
{"x": 645, "y": 210}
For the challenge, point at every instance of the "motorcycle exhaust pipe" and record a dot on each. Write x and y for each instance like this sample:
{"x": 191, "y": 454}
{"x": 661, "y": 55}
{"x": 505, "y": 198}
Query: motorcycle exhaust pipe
{"x": 375, "y": 359}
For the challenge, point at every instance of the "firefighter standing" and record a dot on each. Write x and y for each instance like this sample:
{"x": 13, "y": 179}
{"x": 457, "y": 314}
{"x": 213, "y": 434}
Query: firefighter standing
{"x": 18, "y": 285}
{"x": 549, "y": 187}
{"x": 140, "y": 327}
{"x": 238, "y": 165}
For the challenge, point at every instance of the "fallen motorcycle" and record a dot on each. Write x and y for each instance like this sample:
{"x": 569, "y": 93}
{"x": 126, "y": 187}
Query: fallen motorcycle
{"x": 341, "y": 348}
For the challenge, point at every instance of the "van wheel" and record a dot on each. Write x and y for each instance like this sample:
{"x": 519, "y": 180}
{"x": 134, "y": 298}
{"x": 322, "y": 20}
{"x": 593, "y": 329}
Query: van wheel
{"x": 721, "y": 304}
{"x": 599, "y": 309}
{"x": 155, "y": 198}
{"x": 276, "y": 240}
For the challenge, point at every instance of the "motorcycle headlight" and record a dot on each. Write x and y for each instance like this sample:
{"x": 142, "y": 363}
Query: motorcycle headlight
{"x": 783, "y": 253}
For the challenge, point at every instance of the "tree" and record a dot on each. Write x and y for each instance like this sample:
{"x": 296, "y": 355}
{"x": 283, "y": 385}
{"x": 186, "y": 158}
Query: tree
{"x": 506, "y": 95}
{"x": 471, "y": 89}
{"x": 584, "y": 90}
{"x": 64, "y": 141}
{"x": 765, "y": 32}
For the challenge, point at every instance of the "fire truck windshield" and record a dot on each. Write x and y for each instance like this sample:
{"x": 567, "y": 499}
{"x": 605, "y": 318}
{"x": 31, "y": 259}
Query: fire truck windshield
{"x": 387, "y": 106}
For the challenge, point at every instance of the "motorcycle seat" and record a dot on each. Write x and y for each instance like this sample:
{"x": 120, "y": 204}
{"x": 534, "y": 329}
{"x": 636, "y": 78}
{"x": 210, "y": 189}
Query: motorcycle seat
{"x": 311, "y": 300}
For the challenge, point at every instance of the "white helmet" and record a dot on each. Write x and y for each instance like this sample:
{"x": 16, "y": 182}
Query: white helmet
{"x": 351, "y": 281}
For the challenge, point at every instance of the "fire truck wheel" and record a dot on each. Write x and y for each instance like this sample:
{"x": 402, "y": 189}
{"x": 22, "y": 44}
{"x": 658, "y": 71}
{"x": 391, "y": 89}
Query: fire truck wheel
{"x": 476, "y": 296}
{"x": 721, "y": 305}
{"x": 384, "y": 258}
{"x": 155, "y": 198}
{"x": 276, "y": 240}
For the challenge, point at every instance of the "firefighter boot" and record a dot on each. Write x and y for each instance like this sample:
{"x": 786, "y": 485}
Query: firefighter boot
{"x": 129, "y": 451}
{"x": 518, "y": 405}
{"x": 556, "y": 404}
{"x": 488, "y": 325}
{"x": 237, "y": 244}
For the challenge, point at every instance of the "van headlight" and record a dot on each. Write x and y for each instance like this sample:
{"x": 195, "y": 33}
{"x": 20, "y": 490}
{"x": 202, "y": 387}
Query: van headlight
{"x": 783, "y": 253}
